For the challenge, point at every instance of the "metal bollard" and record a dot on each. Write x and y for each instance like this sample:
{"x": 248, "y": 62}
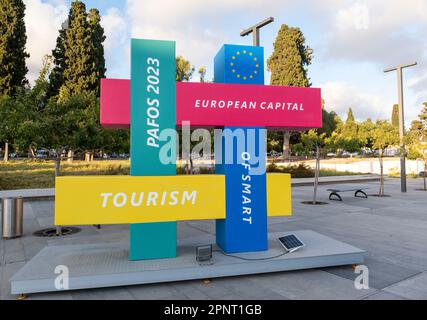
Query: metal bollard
{"x": 13, "y": 217}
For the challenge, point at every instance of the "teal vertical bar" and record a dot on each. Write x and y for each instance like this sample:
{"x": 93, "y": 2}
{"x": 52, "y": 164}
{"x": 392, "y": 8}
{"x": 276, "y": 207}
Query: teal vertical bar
{"x": 153, "y": 109}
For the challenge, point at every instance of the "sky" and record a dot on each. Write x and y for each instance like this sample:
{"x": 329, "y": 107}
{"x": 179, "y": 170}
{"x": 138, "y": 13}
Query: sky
{"x": 353, "y": 41}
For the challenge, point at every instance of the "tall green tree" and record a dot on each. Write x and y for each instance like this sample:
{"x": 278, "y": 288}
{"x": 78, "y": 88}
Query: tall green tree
{"x": 79, "y": 61}
{"x": 395, "y": 116}
{"x": 351, "y": 128}
{"x": 346, "y": 137}
{"x": 13, "y": 69}
{"x": 80, "y": 71}
{"x": 290, "y": 59}
{"x": 56, "y": 77}
{"x": 13, "y": 39}
{"x": 289, "y": 65}
{"x": 98, "y": 38}
{"x": 350, "y": 117}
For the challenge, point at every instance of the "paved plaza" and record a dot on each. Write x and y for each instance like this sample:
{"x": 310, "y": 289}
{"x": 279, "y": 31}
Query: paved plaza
{"x": 392, "y": 230}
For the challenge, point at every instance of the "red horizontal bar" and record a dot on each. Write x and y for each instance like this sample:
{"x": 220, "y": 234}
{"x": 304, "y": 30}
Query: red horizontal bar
{"x": 220, "y": 105}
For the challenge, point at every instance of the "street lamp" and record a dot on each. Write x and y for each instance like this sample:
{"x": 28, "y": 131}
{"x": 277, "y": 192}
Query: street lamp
{"x": 255, "y": 30}
{"x": 399, "y": 70}
{"x": 423, "y": 143}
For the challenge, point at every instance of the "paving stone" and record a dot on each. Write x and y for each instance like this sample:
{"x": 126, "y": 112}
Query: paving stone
{"x": 8, "y": 270}
{"x": 51, "y": 296}
{"x": 156, "y": 292}
{"x": 310, "y": 284}
{"x": 382, "y": 295}
{"x": 412, "y": 288}
{"x": 244, "y": 288}
{"x": 120, "y": 293}
{"x": 381, "y": 273}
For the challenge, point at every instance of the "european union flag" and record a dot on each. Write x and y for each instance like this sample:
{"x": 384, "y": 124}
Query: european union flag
{"x": 239, "y": 64}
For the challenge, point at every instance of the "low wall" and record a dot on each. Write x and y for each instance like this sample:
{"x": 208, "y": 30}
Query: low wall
{"x": 371, "y": 166}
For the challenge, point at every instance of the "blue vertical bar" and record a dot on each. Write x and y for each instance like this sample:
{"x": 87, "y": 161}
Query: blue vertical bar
{"x": 245, "y": 228}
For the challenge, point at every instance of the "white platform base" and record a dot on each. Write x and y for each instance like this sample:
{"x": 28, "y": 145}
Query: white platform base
{"x": 107, "y": 265}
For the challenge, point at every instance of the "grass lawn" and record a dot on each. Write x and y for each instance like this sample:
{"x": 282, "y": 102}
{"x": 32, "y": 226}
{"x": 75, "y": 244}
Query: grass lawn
{"x": 29, "y": 174}
{"x": 35, "y": 174}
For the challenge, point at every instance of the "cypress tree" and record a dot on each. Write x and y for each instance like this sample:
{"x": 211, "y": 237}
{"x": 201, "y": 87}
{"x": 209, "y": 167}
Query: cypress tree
{"x": 288, "y": 65}
{"x": 56, "y": 77}
{"x": 395, "y": 116}
{"x": 350, "y": 117}
{"x": 290, "y": 59}
{"x": 13, "y": 39}
{"x": 351, "y": 128}
{"x": 79, "y": 54}
{"x": 78, "y": 49}
{"x": 98, "y": 38}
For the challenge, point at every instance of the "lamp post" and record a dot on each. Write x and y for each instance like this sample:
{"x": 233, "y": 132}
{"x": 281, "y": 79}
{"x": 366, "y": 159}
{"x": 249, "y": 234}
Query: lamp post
{"x": 423, "y": 143}
{"x": 399, "y": 70}
{"x": 255, "y": 30}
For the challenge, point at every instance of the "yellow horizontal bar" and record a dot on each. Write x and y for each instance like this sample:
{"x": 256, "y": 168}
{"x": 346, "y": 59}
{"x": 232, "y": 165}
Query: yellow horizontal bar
{"x": 123, "y": 199}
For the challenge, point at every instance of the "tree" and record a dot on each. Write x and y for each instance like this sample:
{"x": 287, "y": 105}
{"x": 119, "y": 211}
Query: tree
{"x": 365, "y": 134}
{"x": 202, "y": 73}
{"x": 330, "y": 121}
{"x": 395, "y": 116}
{"x": 184, "y": 69}
{"x": 350, "y": 117}
{"x": 41, "y": 87}
{"x": 56, "y": 77}
{"x": 80, "y": 71}
{"x": 184, "y": 72}
{"x": 64, "y": 123}
{"x": 98, "y": 38}
{"x": 13, "y": 40}
{"x": 313, "y": 142}
{"x": 21, "y": 118}
{"x": 346, "y": 137}
{"x": 384, "y": 135}
{"x": 417, "y": 138}
{"x": 289, "y": 65}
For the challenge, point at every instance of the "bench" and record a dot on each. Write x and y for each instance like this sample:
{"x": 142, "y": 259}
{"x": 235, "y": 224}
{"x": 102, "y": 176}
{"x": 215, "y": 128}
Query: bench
{"x": 358, "y": 193}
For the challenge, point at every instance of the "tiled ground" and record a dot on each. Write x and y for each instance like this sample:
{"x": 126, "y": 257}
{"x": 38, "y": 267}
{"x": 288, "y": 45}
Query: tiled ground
{"x": 392, "y": 230}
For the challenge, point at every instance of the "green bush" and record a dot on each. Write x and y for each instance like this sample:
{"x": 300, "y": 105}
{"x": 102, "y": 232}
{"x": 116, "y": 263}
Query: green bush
{"x": 296, "y": 171}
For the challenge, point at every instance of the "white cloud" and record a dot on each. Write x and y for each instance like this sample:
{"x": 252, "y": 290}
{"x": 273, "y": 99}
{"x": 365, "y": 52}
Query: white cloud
{"x": 355, "y": 17}
{"x": 115, "y": 27}
{"x": 198, "y": 27}
{"x": 340, "y": 96}
{"x": 385, "y": 32}
{"x": 117, "y": 32}
{"x": 42, "y": 21}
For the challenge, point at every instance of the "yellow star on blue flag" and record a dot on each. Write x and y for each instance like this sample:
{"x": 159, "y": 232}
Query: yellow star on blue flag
{"x": 240, "y": 64}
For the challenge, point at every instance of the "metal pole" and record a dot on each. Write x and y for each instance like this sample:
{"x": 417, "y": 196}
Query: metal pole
{"x": 399, "y": 70}
{"x": 256, "y": 40}
{"x": 255, "y": 30}
{"x": 403, "y": 183}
